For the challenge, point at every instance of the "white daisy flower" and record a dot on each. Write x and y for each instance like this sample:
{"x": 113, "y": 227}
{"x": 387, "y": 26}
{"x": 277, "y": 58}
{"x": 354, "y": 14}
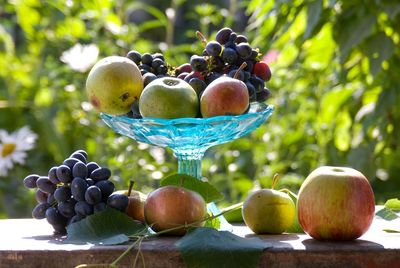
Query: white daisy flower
{"x": 80, "y": 57}
{"x": 13, "y": 148}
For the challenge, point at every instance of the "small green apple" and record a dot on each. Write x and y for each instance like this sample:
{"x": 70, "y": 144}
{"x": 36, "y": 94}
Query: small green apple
{"x": 268, "y": 211}
{"x": 168, "y": 97}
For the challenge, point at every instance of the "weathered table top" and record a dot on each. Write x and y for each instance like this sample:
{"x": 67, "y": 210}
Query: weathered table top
{"x": 29, "y": 243}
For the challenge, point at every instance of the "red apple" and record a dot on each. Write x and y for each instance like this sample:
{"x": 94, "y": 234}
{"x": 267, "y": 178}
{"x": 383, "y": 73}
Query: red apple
{"x": 224, "y": 96}
{"x": 335, "y": 203}
{"x": 170, "y": 206}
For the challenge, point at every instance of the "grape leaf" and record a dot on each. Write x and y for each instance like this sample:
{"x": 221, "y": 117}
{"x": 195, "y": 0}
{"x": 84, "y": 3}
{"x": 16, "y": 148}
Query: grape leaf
{"x": 109, "y": 227}
{"x": 387, "y": 214}
{"x": 206, "y": 190}
{"x": 393, "y": 204}
{"x": 206, "y": 248}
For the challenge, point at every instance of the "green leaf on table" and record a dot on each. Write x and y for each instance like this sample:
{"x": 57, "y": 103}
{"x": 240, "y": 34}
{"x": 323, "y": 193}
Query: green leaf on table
{"x": 387, "y": 214}
{"x": 393, "y": 204}
{"x": 206, "y": 190}
{"x": 109, "y": 227}
{"x": 206, "y": 248}
{"x": 391, "y": 231}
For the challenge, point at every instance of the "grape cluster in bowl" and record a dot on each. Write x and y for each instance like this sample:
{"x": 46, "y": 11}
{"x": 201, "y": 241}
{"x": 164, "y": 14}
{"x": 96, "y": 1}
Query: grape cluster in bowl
{"x": 222, "y": 56}
{"x": 73, "y": 190}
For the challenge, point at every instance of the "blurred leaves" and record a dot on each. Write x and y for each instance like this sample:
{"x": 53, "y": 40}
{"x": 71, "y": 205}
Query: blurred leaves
{"x": 334, "y": 87}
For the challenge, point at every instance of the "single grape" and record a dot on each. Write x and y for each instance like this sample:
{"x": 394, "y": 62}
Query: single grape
{"x": 198, "y": 63}
{"x": 76, "y": 218}
{"x": 184, "y": 68}
{"x": 93, "y": 195}
{"x": 118, "y": 201}
{"x": 252, "y": 91}
{"x": 241, "y": 39}
{"x": 244, "y": 50}
{"x": 89, "y": 181}
{"x": 147, "y": 59}
{"x": 182, "y": 75}
{"x": 59, "y": 229}
{"x": 51, "y": 199}
{"x": 54, "y": 217}
{"x": 41, "y": 197}
{"x": 263, "y": 95}
{"x": 107, "y": 188}
{"x": 30, "y": 181}
{"x": 192, "y": 75}
{"x": 67, "y": 209}
{"x": 78, "y": 188}
{"x": 223, "y": 35}
{"x": 99, "y": 207}
{"x": 134, "y": 56}
{"x": 213, "y": 48}
{"x": 39, "y": 212}
{"x": 79, "y": 156}
{"x": 144, "y": 67}
{"x": 79, "y": 170}
{"x": 211, "y": 77}
{"x": 148, "y": 77}
{"x": 62, "y": 194}
{"x": 64, "y": 173}
{"x": 231, "y": 45}
{"x": 158, "y": 56}
{"x": 229, "y": 55}
{"x": 257, "y": 82}
{"x": 44, "y": 184}
{"x": 101, "y": 173}
{"x": 232, "y": 37}
{"x": 156, "y": 63}
{"x": 197, "y": 84}
{"x": 247, "y": 75}
{"x": 84, "y": 209}
{"x": 91, "y": 166}
{"x": 135, "y": 112}
{"x": 70, "y": 162}
{"x": 254, "y": 54}
{"x": 53, "y": 175}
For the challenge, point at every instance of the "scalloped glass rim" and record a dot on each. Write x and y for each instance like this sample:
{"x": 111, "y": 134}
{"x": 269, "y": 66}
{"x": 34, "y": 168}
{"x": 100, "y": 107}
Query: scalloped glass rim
{"x": 255, "y": 108}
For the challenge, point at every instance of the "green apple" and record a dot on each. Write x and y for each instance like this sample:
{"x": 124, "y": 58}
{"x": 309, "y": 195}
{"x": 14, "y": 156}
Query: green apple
{"x": 268, "y": 211}
{"x": 113, "y": 84}
{"x": 168, "y": 97}
{"x": 335, "y": 203}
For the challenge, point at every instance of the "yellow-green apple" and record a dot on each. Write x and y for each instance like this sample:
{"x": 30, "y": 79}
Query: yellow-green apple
{"x": 113, "y": 84}
{"x": 268, "y": 211}
{"x": 168, "y": 97}
{"x": 335, "y": 203}
{"x": 171, "y": 206}
{"x": 224, "y": 96}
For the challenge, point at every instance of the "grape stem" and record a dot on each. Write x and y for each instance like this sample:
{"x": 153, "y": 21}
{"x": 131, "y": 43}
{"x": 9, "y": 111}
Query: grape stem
{"x": 139, "y": 238}
{"x": 202, "y": 38}
{"x": 242, "y": 66}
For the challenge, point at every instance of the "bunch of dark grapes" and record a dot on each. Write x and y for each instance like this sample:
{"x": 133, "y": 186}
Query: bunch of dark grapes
{"x": 151, "y": 66}
{"x": 72, "y": 191}
{"x": 224, "y": 56}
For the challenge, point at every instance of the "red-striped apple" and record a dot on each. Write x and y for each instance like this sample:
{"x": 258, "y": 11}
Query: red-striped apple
{"x": 335, "y": 203}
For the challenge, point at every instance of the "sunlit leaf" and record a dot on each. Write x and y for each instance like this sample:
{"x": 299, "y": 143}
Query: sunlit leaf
{"x": 109, "y": 227}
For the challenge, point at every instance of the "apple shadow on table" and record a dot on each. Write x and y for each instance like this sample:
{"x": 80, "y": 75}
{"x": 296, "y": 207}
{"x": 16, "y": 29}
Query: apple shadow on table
{"x": 277, "y": 240}
{"x": 358, "y": 244}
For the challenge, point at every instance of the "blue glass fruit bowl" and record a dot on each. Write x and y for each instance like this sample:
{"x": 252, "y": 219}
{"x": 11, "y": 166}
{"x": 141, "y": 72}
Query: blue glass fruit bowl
{"x": 189, "y": 138}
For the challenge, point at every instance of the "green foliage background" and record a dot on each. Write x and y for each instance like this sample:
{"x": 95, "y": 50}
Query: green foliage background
{"x": 335, "y": 88}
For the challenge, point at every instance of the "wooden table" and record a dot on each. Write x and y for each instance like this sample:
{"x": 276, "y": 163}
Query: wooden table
{"x": 29, "y": 243}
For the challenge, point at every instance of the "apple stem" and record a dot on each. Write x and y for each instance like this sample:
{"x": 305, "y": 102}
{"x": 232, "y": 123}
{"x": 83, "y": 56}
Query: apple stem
{"x": 242, "y": 66}
{"x": 131, "y": 183}
{"x": 202, "y": 38}
{"x": 275, "y": 180}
